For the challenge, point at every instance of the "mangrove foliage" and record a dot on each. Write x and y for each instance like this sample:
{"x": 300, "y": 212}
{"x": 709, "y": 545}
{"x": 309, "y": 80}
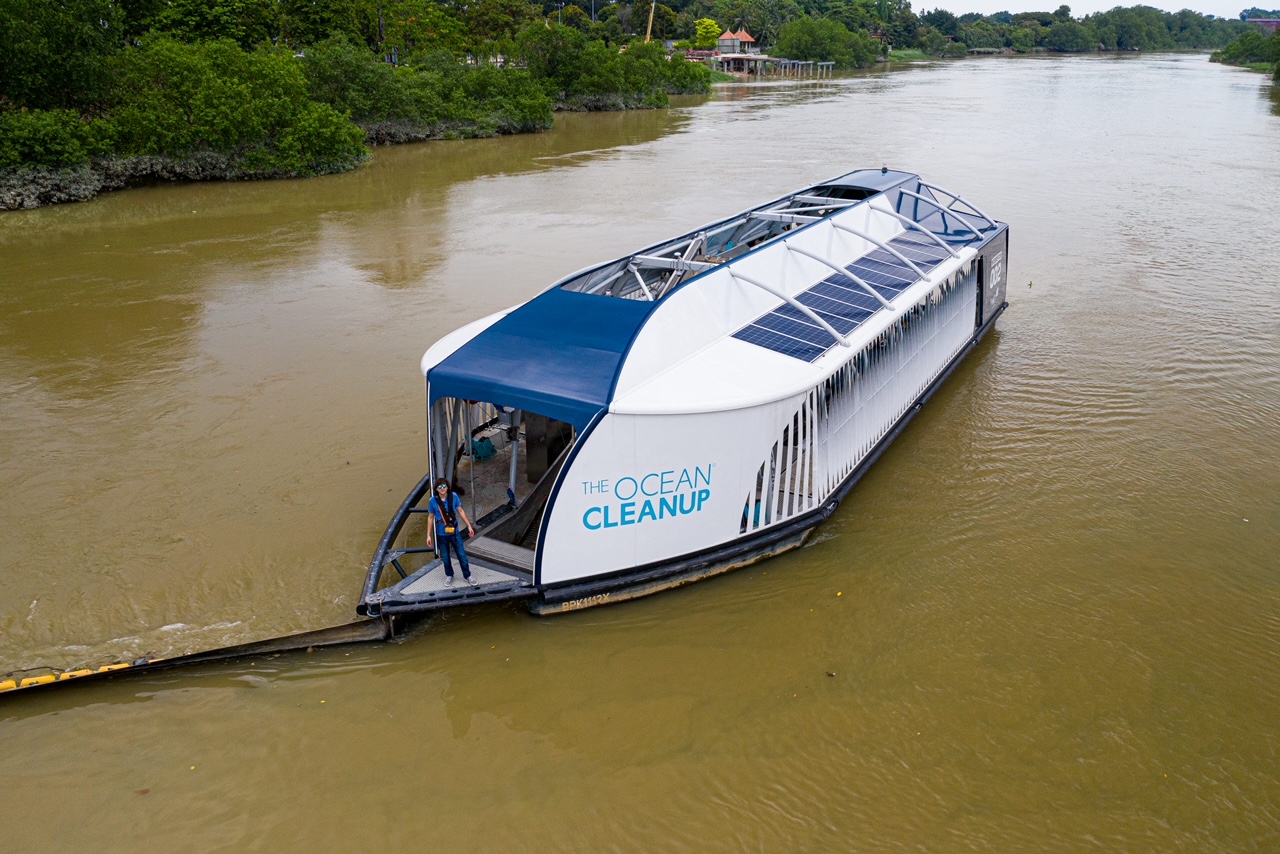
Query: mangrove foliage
{"x": 98, "y": 94}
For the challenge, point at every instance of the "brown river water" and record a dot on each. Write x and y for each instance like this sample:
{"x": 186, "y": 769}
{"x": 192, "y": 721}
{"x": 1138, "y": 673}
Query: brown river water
{"x": 1048, "y": 619}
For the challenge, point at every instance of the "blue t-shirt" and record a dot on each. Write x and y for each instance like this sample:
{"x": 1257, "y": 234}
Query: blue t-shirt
{"x": 434, "y": 508}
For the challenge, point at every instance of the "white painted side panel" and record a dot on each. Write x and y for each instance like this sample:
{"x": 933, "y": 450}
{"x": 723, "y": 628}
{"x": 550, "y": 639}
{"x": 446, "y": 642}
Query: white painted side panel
{"x": 646, "y": 488}
{"x": 652, "y": 487}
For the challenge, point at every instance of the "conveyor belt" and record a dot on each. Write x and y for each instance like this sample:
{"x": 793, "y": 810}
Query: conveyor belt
{"x": 506, "y": 554}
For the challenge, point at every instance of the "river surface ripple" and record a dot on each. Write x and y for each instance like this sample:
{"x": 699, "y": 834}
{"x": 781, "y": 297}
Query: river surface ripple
{"x": 1048, "y": 618}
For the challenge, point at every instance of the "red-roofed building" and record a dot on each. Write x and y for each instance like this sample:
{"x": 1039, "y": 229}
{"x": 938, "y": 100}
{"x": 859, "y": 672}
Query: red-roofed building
{"x": 739, "y": 42}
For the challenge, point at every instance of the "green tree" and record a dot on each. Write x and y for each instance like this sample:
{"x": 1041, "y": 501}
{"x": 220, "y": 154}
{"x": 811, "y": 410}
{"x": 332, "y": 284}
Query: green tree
{"x": 825, "y": 40}
{"x": 664, "y": 22}
{"x": 245, "y": 22}
{"x": 708, "y": 33}
{"x": 1069, "y": 37}
{"x": 178, "y": 100}
{"x": 420, "y": 27}
{"x": 588, "y": 74}
{"x": 139, "y": 16}
{"x": 576, "y": 17}
{"x": 497, "y": 20}
{"x": 437, "y": 97}
{"x": 761, "y": 18}
{"x": 305, "y": 22}
{"x": 53, "y": 52}
{"x": 1251, "y": 47}
{"x": 942, "y": 21}
{"x": 554, "y": 55}
{"x": 932, "y": 42}
{"x": 1020, "y": 39}
{"x": 347, "y": 77}
{"x": 854, "y": 14}
{"x": 904, "y": 26}
{"x": 49, "y": 138}
{"x": 981, "y": 35}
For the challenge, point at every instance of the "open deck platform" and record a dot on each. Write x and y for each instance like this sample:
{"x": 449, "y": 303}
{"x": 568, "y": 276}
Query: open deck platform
{"x": 426, "y": 590}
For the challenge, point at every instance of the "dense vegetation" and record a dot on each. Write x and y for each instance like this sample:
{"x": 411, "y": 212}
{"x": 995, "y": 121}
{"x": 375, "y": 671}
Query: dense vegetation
{"x": 100, "y": 93}
{"x": 937, "y": 32}
{"x": 1133, "y": 28}
{"x": 1254, "y": 49}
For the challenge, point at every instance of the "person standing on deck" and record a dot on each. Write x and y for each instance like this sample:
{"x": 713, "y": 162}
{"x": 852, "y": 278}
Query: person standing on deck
{"x": 445, "y": 507}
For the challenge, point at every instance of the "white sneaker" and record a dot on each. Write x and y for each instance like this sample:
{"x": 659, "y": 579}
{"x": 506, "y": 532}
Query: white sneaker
{"x": 471, "y": 579}
{"x": 448, "y": 581}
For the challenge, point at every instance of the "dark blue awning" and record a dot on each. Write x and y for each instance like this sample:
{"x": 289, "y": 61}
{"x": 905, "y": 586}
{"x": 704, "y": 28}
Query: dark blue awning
{"x": 556, "y": 355}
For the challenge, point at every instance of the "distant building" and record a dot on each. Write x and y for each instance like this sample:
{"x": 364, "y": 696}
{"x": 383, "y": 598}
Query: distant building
{"x": 739, "y": 42}
{"x": 1269, "y": 25}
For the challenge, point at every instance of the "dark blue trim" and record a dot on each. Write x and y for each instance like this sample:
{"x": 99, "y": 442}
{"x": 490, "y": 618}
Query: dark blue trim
{"x": 556, "y": 355}
{"x": 880, "y": 180}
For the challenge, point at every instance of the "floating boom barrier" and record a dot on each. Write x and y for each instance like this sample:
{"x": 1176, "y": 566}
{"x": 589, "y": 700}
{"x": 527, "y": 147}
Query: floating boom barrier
{"x": 361, "y": 631}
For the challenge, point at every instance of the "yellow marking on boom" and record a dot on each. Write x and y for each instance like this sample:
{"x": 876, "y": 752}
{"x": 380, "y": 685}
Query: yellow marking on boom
{"x": 72, "y": 674}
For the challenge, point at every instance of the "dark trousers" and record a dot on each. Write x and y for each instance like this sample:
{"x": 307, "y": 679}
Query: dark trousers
{"x": 453, "y": 542}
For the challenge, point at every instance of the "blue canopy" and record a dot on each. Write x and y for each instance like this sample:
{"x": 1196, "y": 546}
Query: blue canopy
{"x": 556, "y": 355}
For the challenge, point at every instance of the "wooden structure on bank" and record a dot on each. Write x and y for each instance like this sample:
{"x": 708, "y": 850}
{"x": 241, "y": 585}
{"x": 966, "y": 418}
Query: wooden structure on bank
{"x": 777, "y": 66}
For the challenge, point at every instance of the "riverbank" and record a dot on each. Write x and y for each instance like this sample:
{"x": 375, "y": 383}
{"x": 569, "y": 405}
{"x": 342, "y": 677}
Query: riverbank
{"x": 34, "y": 186}
{"x": 31, "y": 187}
{"x": 205, "y": 111}
{"x": 1253, "y": 51}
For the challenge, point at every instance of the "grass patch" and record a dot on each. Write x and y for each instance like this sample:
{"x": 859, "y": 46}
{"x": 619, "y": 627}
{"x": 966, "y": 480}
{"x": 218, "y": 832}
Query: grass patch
{"x": 722, "y": 77}
{"x": 909, "y": 54}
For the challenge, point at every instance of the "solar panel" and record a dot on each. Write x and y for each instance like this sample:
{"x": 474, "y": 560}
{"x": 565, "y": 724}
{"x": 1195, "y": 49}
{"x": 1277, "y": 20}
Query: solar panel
{"x": 843, "y": 325}
{"x": 812, "y": 299}
{"x": 801, "y": 330}
{"x": 920, "y": 249}
{"x": 918, "y": 242}
{"x": 780, "y": 343}
{"x": 842, "y": 302}
{"x": 896, "y": 274}
{"x": 888, "y": 287}
{"x": 850, "y": 294}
